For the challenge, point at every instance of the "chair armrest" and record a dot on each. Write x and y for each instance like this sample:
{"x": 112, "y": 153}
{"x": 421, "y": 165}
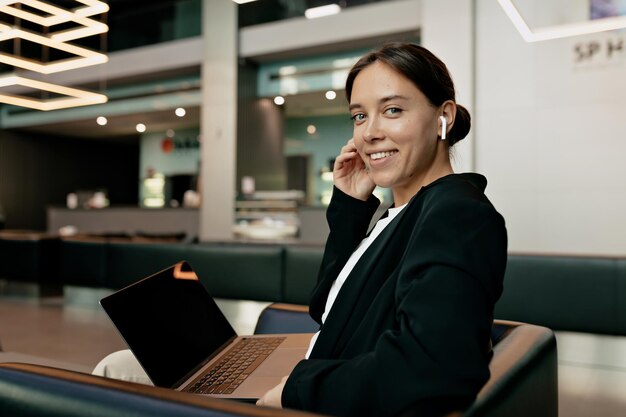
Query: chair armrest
{"x": 285, "y": 318}
{"x": 34, "y": 390}
{"x": 524, "y": 374}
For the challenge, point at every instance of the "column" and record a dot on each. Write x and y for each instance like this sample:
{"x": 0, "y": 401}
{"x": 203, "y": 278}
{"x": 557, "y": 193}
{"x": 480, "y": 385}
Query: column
{"x": 218, "y": 119}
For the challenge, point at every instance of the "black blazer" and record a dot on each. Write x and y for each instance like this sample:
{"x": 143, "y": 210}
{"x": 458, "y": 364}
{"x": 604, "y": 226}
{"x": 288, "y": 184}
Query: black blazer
{"x": 410, "y": 328}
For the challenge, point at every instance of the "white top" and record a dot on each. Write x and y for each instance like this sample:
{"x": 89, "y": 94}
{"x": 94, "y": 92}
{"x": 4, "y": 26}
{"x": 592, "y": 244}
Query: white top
{"x": 354, "y": 258}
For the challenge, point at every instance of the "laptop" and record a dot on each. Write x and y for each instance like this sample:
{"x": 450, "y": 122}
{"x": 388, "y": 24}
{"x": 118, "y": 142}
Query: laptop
{"x": 183, "y": 340}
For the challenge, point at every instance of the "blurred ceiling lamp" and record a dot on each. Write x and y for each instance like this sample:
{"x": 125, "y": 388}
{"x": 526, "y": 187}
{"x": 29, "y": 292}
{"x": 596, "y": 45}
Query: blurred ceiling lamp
{"x": 52, "y": 15}
{"x": 76, "y": 97}
{"x": 321, "y": 11}
{"x": 87, "y": 56}
{"x": 559, "y": 31}
{"x": 243, "y": 1}
{"x": 58, "y": 15}
{"x": 90, "y": 8}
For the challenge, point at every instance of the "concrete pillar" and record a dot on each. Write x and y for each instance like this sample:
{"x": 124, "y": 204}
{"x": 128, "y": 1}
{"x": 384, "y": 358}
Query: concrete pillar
{"x": 218, "y": 119}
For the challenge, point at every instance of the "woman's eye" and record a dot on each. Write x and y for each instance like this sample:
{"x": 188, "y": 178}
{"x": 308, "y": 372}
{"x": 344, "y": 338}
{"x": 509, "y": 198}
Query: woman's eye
{"x": 393, "y": 110}
{"x": 359, "y": 117}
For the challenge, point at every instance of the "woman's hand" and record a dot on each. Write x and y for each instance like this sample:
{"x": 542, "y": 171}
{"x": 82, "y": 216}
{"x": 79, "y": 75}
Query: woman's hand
{"x": 272, "y": 398}
{"x": 350, "y": 173}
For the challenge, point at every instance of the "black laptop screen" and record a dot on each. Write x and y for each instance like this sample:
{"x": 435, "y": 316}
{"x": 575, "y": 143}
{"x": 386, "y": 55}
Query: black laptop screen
{"x": 170, "y": 322}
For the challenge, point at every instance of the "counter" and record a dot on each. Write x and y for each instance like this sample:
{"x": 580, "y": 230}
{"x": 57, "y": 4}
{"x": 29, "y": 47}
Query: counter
{"x": 125, "y": 220}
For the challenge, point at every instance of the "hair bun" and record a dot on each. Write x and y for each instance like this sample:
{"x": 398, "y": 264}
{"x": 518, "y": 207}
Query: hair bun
{"x": 461, "y": 126}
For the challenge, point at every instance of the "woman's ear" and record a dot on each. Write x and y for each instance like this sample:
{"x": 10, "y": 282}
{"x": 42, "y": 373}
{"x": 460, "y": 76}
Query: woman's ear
{"x": 448, "y": 111}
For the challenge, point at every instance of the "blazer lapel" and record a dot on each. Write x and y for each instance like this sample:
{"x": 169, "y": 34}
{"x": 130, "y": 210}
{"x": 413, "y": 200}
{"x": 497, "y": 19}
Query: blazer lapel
{"x": 332, "y": 338}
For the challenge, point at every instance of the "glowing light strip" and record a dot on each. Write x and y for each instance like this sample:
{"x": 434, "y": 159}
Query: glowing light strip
{"x": 559, "y": 31}
{"x": 59, "y": 15}
{"x": 91, "y": 8}
{"x": 88, "y": 57}
{"x": 77, "y": 97}
{"x": 89, "y": 26}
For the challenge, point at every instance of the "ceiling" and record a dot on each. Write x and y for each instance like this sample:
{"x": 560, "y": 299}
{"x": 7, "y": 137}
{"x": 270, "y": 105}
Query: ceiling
{"x": 121, "y": 126}
{"x": 315, "y": 104}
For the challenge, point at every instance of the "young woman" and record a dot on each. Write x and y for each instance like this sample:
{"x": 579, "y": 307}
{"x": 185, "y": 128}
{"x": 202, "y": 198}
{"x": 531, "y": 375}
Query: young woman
{"x": 406, "y": 310}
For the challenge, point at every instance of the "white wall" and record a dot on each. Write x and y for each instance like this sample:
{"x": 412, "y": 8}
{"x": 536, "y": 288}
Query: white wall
{"x": 447, "y": 30}
{"x": 551, "y": 137}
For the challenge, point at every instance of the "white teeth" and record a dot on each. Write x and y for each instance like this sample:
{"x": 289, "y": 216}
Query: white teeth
{"x": 379, "y": 155}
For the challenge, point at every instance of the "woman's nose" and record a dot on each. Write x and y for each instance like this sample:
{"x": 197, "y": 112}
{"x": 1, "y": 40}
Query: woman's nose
{"x": 372, "y": 130}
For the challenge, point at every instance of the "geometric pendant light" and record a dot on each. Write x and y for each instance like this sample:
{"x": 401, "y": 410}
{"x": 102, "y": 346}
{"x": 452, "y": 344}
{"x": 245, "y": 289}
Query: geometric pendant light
{"x": 50, "y": 16}
{"x": 74, "y": 97}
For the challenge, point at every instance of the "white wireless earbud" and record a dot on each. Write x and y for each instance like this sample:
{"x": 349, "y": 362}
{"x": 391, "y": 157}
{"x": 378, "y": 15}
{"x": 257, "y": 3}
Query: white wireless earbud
{"x": 444, "y": 127}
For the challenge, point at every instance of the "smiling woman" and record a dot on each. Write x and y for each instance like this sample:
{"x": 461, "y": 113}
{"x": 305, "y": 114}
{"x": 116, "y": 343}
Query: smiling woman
{"x": 412, "y": 300}
{"x": 400, "y": 104}
{"x": 405, "y": 310}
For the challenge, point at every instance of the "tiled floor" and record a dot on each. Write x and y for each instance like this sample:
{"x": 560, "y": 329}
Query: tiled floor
{"x": 592, "y": 368}
{"x": 75, "y": 329}
{"x": 592, "y": 375}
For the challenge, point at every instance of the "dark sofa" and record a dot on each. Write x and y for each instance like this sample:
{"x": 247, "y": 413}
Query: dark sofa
{"x": 31, "y": 257}
{"x": 576, "y": 293}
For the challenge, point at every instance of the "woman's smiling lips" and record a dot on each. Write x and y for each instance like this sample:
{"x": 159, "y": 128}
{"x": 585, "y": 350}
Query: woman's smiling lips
{"x": 381, "y": 155}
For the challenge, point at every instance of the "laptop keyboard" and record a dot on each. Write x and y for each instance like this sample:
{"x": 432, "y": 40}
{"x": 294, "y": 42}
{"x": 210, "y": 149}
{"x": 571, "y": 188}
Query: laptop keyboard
{"x": 231, "y": 370}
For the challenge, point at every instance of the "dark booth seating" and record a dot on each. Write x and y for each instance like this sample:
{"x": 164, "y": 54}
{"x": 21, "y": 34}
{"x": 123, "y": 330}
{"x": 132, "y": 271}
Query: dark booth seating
{"x": 249, "y": 272}
{"x": 130, "y": 262}
{"x": 562, "y": 292}
{"x": 84, "y": 262}
{"x": 575, "y": 293}
{"x": 302, "y": 263}
{"x": 31, "y": 257}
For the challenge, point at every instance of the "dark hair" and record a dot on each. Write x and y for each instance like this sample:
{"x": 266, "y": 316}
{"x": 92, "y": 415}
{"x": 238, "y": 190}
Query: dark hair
{"x": 429, "y": 74}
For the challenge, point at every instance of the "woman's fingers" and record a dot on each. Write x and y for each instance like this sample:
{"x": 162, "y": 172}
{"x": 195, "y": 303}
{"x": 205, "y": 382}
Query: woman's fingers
{"x": 348, "y": 152}
{"x": 343, "y": 157}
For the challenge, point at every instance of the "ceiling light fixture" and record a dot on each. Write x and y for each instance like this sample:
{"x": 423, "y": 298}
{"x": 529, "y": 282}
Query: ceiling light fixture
{"x": 102, "y": 121}
{"x": 87, "y": 56}
{"x": 243, "y": 1}
{"x": 287, "y": 70}
{"x": 180, "y": 112}
{"x": 76, "y": 97}
{"x": 90, "y": 8}
{"x": 140, "y": 127}
{"x": 559, "y": 31}
{"x": 52, "y": 15}
{"x": 330, "y": 95}
{"x": 315, "y": 12}
{"x": 58, "y": 15}
{"x": 279, "y": 100}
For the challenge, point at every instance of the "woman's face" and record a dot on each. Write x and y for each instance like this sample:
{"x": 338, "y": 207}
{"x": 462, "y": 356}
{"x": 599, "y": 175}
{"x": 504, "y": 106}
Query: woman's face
{"x": 395, "y": 130}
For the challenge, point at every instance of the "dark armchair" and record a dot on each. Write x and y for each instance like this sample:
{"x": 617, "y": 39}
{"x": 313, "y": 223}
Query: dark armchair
{"x": 523, "y": 382}
{"x": 523, "y": 369}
